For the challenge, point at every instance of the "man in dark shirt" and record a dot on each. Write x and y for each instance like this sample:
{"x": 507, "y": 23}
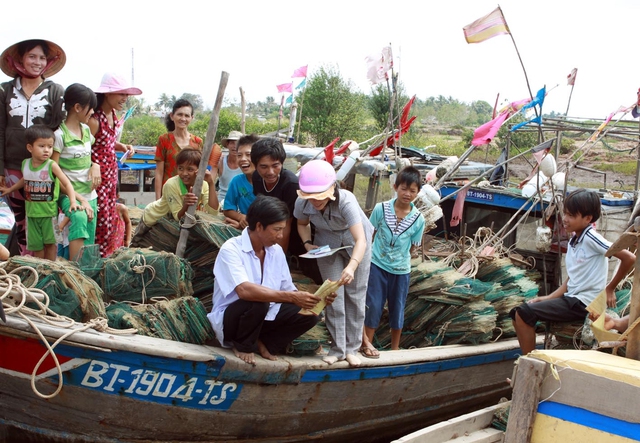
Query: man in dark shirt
{"x": 270, "y": 178}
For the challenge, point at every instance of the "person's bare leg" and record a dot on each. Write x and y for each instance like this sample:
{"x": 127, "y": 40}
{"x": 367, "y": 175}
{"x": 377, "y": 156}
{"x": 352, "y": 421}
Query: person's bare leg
{"x": 526, "y": 335}
{"x": 367, "y": 347}
{"x": 247, "y": 357}
{"x": 264, "y": 352}
{"x": 395, "y": 339}
{"x": 50, "y": 252}
{"x": 74, "y": 248}
{"x": 619, "y": 324}
{"x": 38, "y": 254}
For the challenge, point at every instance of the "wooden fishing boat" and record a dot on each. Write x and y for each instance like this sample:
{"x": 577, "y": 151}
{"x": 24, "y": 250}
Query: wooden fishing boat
{"x": 137, "y": 388}
{"x": 559, "y": 395}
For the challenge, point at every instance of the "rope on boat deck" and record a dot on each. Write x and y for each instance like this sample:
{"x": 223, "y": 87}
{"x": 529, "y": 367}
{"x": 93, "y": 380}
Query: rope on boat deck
{"x": 12, "y": 288}
{"x": 138, "y": 264}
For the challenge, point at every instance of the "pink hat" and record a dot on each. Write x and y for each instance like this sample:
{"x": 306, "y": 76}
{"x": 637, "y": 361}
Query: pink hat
{"x": 116, "y": 84}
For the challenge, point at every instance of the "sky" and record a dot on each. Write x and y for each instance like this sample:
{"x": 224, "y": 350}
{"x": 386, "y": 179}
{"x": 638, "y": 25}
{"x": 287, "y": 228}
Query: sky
{"x": 183, "y": 47}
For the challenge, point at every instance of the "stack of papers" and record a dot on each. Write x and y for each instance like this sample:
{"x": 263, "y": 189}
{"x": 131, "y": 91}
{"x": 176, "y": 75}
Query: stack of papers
{"x": 322, "y": 251}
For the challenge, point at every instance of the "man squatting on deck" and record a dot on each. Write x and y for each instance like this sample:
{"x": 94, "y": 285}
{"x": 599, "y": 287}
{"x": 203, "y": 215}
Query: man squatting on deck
{"x": 255, "y": 304}
{"x": 586, "y": 265}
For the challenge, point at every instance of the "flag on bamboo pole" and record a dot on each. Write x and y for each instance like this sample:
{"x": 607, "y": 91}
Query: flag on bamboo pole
{"x": 289, "y": 100}
{"x": 302, "y": 84}
{"x": 328, "y": 151}
{"x": 571, "y": 78}
{"x": 300, "y": 72}
{"x": 538, "y": 100}
{"x": 486, "y": 132}
{"x": 378, "y": 65}
{"x": 487, "y": 27}
{"x": 285, "y": 87}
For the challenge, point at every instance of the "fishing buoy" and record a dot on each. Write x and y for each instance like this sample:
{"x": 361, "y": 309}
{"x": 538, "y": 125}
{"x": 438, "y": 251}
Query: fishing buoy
{"x": 348, "y": 165}
{"x": 543, "y": 238}
{"x": 428, "y": 196}
{"x": 558, "y": 180}
{"x": 529, "y": 190}
{"x": 548, "y": 165}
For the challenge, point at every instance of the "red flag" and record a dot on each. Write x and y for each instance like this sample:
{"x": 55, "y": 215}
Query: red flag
{"x": 571, "y": 78}
{"x": 392, "y": 138}
{"x": 328, "y": 151}
{"x": 285, "y": 87}
{"x": 343, "y": 148}
{"x": 300, "y": 72}
{"x": 405, "y": 111}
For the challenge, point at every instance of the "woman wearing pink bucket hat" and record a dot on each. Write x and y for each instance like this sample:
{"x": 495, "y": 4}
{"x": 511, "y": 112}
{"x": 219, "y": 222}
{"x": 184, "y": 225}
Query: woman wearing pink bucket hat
{"x": 339, "y": 221}
{"x": 105, "y": 126}
{"x": 29, "y": 98}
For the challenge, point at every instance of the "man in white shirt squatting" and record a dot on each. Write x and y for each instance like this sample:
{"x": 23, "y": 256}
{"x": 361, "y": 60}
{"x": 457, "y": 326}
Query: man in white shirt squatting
{"x": 255, "y": 304}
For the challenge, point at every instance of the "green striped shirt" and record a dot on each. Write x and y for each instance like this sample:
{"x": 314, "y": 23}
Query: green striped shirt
{"x": 75, "y": 158}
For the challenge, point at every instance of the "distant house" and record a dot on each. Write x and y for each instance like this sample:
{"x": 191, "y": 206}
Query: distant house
{"x": 159, "y": 114}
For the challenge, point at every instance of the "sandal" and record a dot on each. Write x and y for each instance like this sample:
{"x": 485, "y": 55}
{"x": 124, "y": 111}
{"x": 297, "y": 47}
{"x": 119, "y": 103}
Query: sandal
{"x": 369, "y": 352}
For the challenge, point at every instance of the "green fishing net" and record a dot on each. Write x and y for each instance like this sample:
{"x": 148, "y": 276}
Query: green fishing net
{"x": 181, "y": 319}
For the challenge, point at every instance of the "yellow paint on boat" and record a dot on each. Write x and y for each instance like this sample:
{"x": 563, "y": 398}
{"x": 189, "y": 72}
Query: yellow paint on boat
{"x": 598, "y": 363}
{"x": 548, "y": 429}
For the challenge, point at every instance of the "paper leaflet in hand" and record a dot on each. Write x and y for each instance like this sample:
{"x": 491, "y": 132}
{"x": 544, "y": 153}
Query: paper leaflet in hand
{"x": 325, "y": 252}
{"x": 124, "y": 157}
{"x": 328, "y": 287}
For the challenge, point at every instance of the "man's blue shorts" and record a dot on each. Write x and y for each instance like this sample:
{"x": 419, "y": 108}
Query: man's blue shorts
{"x": 386, "y": 287}
{"x": 557, "y": 309}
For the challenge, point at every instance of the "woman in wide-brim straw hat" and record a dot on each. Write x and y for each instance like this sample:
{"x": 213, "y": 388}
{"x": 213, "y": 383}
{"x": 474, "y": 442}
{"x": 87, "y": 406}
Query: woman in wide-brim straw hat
{"x": 105, "y": 126}
{"x": 29, "y": 98}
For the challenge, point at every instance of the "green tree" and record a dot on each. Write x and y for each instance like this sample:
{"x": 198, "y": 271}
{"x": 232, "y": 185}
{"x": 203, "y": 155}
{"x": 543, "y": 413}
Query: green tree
{"x": 195, "y": 100}
{"x": 164, "y": 102}
{"x": 332, "y": 108}
{"x": 378, "y": 104}
{"x": 143, "y": 130}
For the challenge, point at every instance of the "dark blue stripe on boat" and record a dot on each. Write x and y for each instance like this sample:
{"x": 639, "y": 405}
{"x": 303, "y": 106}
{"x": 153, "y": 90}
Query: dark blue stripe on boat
{"x": 366, "y": 373}
{"x": 590, "y": 419}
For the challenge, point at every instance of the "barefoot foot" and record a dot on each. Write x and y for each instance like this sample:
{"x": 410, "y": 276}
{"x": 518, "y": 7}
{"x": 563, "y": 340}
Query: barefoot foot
{"x": 264, "y": 352}
{"x": 330, "y": 359}
{"x": 353, "y": 360}
{"x": 246, "y": 357}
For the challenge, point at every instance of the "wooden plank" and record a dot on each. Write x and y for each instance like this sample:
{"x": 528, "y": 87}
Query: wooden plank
{"x": 633, "y": 339}
{"x": 625, "y": 241}
{"x": 458, "y": 428}
{"x": 524, "y": 404}
{"x": 594, "y": 393}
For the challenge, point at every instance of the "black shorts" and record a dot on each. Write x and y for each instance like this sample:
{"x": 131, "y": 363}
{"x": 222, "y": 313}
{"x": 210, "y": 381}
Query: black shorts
{"x": 561, "y": 309}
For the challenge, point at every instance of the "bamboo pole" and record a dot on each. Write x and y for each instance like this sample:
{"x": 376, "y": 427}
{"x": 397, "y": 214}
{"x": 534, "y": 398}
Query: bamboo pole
{"x": 243, "y": 108}
{"x": 206, "y": 152}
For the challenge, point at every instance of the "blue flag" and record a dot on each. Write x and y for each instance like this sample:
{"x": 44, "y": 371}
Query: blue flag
{"x": 538, "y": 100}
{"x": 289, "y": 100}
{"x": 302, "y": 84}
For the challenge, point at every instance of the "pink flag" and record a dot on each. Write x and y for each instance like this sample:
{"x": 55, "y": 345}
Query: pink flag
{"x": 300, "y": 72}
{"x": 487, "y": 27}
{"x": 285, "y": 87}
{"x": 571, "y": 78}
{"x": 378, "y": 65}
{"x": 485, "y": 133}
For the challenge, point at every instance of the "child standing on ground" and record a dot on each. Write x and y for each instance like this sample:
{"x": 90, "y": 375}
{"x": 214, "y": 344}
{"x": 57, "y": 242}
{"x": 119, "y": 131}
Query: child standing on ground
{"x": 586, "y": 266}
{"x": 41, "y": 179}
{"x": 398, "y": 232}
{"x": 72, "y": 150}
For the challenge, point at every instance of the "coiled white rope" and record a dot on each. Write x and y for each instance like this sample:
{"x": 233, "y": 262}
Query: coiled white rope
{"x": 17, "y": 295}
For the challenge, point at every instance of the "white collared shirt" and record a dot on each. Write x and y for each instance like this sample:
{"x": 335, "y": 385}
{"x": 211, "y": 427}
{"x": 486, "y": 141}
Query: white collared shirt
{"x": 586, "y": 265}
{"x": 237, "y": 263}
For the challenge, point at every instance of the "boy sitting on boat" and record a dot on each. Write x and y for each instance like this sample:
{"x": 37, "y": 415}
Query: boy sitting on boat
{"x": 255, "y": 304}
{"x": 177, "y": 193}
{"x": 586, "y": 266}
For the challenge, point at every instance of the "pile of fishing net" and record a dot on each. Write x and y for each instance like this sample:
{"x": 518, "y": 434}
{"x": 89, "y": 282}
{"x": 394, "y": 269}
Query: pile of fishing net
{"x": 512, "y": 287}
{"x": 203, "y": 244}
{"x": 182, "y": 319}
{"x": 71, "y": 293}
{"x": 443, "y": 307}
{"x": 137, "y": 275}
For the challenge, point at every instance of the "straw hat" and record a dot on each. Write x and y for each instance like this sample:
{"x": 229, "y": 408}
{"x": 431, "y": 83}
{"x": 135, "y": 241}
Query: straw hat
{"x": 233, "y": 135}
{"x": 11, "y": 62}
{"x": 116, "y": 84}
